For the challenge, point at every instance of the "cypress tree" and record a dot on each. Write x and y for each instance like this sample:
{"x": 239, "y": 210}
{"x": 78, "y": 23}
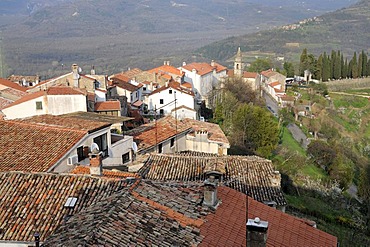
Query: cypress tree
{"x": 326, "y": 67}
{"x": 354, "y": 66}
{"x": 364, "y": 64}
{"x": 345, "y": 68}
{"x": 332, "y": 66}
{"x": 319, "y": 67}
{"x": 303, "y": 62}
{"x": 359, "y": 65}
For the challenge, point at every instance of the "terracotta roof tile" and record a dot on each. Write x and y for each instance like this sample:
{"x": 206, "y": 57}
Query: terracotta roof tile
{"x": 204, "y": 68}
{"x": 214, "y": 131}
{"x": 148, "y": 135}
{"x": 34, "y": 147}
{"x": 125, "y": 85}
{"x": 174, "y": 85}
{"x": 114, "y": 174}
{"x": 35, "y": 201}
{"x": 68, "y": 121}
{"x": 4, "y": 103}
{"x": 11, "y": 84}
{"x": 166, "y": 69}
{"x": 108, "y": 106}
{"x": 132, "y": 72}
{"x": 286, "y": 230}
{"x": 247, "y": 174}
{"x": 13, "y": 92}
{"x": 63, "y": 90}
{"x": 26, "y": 98}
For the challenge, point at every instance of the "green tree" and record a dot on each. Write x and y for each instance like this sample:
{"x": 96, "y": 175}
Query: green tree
{"x": 260, "y": 64}
{"x": 303, "y": 62}
{"x": 354, "y": 66}
{"x": 342, "y": 170}
{"x": 325, "y": 68}
{"x": 289, "y": 69}
{"x": 364, "y": 64}
{"x": 321, "y": 153}
{"x": 359, "y": 65}
{"x": 337, "y": 66}
{"x": 319, "y": 68}
{"x": 255, "y": 129}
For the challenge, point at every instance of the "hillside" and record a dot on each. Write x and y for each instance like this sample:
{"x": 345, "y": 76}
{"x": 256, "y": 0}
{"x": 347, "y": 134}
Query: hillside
{"x": 41, "y": 36}
{"x": 346, "y": 29}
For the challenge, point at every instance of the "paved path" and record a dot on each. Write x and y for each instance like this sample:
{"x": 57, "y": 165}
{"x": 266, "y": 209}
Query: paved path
{"x": 298, "y": 135}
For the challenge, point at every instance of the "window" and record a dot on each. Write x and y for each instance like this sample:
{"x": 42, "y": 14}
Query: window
{"x": 144, "y": 88}
{"x": 125, "y": 158}
{"x": 102, "y": 143}
{"x": 80, "y": 153}
{"x": 38, "y": 105}
{"x": 96, "y": 84}
{"x": 170, "y": 91}
{"x": 160, "y": 148}
{"x": 161, "y": 101}
{"x": 161, "y": 111}
{"x": 172, "y": 142}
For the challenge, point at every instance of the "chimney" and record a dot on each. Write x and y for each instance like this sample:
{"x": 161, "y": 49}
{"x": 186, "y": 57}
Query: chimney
{"x": 75, "y": 75}
{"x": 166, "y": 83}
{"x": 168, "y": 63}
{"x": 210, "y": 192}
{"x": 92, "y": 70}
{"x": 213, "y": 63}
{"x": 257, "y": 232}
{"x": 96, "y": 165}
{"x": 183, "y": 63}
{"x": 164, "y": 62}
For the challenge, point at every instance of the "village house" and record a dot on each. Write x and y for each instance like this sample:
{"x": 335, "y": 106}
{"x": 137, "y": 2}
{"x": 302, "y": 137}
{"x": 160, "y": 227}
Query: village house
{"x": 48, "y": 143}
{"x": 75, "y": 79}
{"x": 54, "y": 101}
{"x": 9, "y": 92}
{"x": 167, "y": 72}
{"x": 170, "y": 135}
{"x": 168, "y": 97}
{"x": 25, "y": 81}
{"x": 119, "y": 87}
{"x": 204, "y": 78}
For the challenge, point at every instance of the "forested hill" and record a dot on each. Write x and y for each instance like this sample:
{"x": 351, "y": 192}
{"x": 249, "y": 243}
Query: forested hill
{"x": 39, "y": 36}
{"x": 347, "y": 29}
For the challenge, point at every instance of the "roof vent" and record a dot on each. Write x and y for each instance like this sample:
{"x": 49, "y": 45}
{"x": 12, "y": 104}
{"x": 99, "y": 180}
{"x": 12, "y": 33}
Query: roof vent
{"x": 71, "y": 202}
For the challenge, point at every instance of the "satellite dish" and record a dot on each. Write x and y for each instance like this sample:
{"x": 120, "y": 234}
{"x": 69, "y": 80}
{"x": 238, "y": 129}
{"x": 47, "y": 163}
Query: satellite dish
{"x": 134, "y": 147}
{"x": 94, "y": 148}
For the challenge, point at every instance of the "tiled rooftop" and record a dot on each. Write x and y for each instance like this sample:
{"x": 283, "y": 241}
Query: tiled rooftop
{"x": 125, "y": 85}
{"x": 14, "y": 92}
{"x": 34, "y": 202}
{"x": 108, "y": 106}
{"x": 113, "y": 174}
{"x": 247, "y": 174}
{"x": 11, "y": 84}
{"x": 66, "y": 122}
{"x": 174, "y": 85}
{"x": 286, "y": 230}
{"x": 4, "y": 102}
{"x": 204, "y": 68}
{"x": 166, "y": 69}
{"x": 150, "y": 215}
{"x": 148, "y": 135}
{"x": 214, "y": 131}
{"x": 34, "y": 147}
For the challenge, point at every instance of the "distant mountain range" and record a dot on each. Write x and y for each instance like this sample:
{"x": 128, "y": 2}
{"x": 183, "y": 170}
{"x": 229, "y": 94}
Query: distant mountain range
{"x": 347, "y": 29}
{"x": 47, "y": 36}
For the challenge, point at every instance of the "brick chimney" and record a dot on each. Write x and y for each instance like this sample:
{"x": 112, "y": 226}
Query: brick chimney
{"x": 257, "y": 232}
{"x": 96, "y": 164}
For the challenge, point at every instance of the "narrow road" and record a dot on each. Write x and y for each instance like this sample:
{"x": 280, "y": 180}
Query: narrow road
{"x": 298, "y": 135}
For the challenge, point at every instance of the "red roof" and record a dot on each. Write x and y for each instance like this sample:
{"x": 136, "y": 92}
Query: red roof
{"x": 174, "y": 85}
{"x": 57, "y": 90}
{"x": 121, "y": 77}
{"x": 247, "y": 74}
{"x": 11, "y": 84}
{"x": 274, "y": 84}
{"x": 114, "y": 174}
{"x": 108, "y": 106}
{"x": 287, "y": 230}
{"x": 204, "y": 68}
{"x": 166, "y": 69}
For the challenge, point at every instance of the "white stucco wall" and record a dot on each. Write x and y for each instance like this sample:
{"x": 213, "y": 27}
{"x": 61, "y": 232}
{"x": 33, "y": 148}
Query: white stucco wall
{"x": 63, "y": 104}
{"x": 184, "y": 113}
{"x": 26, "y": 109}
{"x": 100, "y": 96}
{"x": 181, "y": 99}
